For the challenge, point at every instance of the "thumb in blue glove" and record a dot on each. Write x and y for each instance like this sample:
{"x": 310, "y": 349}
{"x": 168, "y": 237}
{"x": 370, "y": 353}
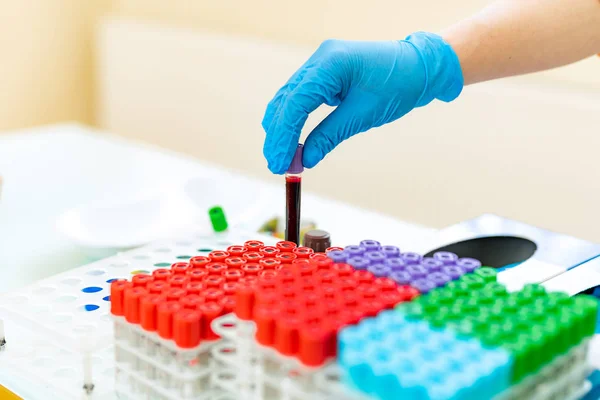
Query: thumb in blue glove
{"x": 371, "y": 83}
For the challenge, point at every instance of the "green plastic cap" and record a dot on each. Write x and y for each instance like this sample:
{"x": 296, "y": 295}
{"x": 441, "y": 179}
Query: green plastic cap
{"x": 488, "y": 274}
{"x": 217, "y": 219}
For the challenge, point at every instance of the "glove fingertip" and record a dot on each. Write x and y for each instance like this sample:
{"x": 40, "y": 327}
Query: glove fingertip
{"x": 311, "y": 156}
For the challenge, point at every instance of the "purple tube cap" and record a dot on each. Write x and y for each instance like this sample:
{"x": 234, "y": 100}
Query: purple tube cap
{"x": 296, "y": 167}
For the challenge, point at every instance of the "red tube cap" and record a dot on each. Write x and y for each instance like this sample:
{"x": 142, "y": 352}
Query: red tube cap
{"x": 218, "y": 256}
{"x": 191, "y": 301}
{"x": 141, "y": 280}
{"x": 235, "y": 262}
{"x": 132, "y": 297}
{"x": 178, "y": 281}
{"x": 269, "y": 263}
{"x": 161, "y": 274}
{"x": 158, "y": 287}
{"x": 209, "y": 311}
{"x": 214, "y": 281}
{"x": 216, "y": 268}
{"x": 265, "y": 317}
{"x": 117, "y": 289}
{"x": 286, "y": 246}
{"x": 254, "y": 245}
{"x": 148, "y": 311}
{"x": 244, "y": 301}
{"x": 303, "y": 252}
{"x": 269, "y": 251}
{"x": 251, "y": 269}
{"x": 179, "y": 268}
{"x": 236, "y": 251}
{"x": 232, "y": 275}
{"x": 199, "y": 261}
{"x": 195, "y": 287}
{"x": 164, "y": 313}
{"x": 186, "y": 328}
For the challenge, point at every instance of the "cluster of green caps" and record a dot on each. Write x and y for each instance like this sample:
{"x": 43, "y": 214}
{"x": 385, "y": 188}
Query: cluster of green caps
{"x": 533, "y": 325}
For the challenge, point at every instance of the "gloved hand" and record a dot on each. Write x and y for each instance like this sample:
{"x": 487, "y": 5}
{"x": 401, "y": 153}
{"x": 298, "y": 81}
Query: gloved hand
{"x": 371, "y": 83}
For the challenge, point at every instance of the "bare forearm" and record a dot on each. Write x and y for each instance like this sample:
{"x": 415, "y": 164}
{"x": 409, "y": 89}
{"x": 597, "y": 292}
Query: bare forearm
{"x": 514, "y": 37}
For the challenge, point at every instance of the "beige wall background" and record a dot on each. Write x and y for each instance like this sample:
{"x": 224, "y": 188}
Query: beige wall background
{"x": 46, "y": 46}
{"x": 194, "y": 76}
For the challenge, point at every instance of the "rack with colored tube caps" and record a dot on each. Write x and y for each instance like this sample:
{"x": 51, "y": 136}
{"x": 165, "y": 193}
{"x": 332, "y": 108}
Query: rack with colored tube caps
{"x": 361, "y": 322}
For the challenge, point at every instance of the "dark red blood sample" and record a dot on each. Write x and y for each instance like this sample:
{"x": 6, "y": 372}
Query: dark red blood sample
{"x": 228, "y": 303}
{"x": 141, "y": 280}
{"x": 164, "y": 314}
{"x": 326, "y": 276}
{"x": 236, "y": 251}
{"x": 229, "y": 287}
{"x": 363, "y": 276}
{"x": 131, "y": 302}
{"x": 161, "y": 274}
{"x": 254, "y": 245}
{"x": 286, "y": 339}
{"x": 216, "y": 268}
{"x": 196, "y": 274}
{"x": 322, "y": 261}
{"x": 218, "y": 255}
{"x": 342, "y": 269}
{"x": 117, "y": 289}
{"x": 157, "y": 287}
{"x": 232, "y": 274}
{"x": 316, "y": 342}
{"x": 199, "y": 261}
{"x": 269, "y": 263}
{"x": 209, "y": 311}
{"x": 269, "y": 251}
{"x": 195, "y": 287}
{"x": 213, "y": 294}
{"x": 408, "y": 292}
{"x": 148, "y": 306}
{"x": 286, "y": 258}
{"x": 334, "y": 249}
{"x": 179, "y": 268}
{"x": 175, "y": 293}
{"x": 303, "y": 252}
{"x": 234, "y": 262}
{"x": 187, "y": 328}
{"x": 347, "y": 283}
{"x": 265, "y": 317}
{"x": 385, "y": 284}
{"x": 251, "y": 269}
{"x": 286, "y": 246}
{"x": 244, "y": 301}
{"x": 191, "y": 301}
{"x": 178, "y": 281}
{"x": 253, "y": 257}
{"x": 367, "y": 290}
{"x": 293, "y": 186}
{"x": 214, "y": 281}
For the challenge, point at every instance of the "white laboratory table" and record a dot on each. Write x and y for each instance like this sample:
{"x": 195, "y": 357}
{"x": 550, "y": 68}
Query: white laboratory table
{"x": 49, "y": 170}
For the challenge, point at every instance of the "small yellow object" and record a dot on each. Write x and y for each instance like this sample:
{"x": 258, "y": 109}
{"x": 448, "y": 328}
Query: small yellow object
{"x": 6, "y": 394}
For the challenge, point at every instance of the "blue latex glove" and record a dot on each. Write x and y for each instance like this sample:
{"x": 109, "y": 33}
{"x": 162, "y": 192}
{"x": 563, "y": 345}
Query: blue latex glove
{"x": 371, "y": 83}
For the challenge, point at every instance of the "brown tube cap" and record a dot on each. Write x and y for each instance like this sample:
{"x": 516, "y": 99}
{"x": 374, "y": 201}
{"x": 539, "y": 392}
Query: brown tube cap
{"x": 317, "y": 240}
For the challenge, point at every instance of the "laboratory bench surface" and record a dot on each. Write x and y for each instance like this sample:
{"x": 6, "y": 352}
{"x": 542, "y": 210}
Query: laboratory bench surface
{"x": 50, "y": 170}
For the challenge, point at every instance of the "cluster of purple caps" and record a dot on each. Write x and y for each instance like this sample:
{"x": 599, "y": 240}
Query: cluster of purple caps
{"x": 422, "y": 273}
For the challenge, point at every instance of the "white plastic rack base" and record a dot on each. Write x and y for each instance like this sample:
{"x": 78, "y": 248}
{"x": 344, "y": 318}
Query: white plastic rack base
{"x": 256, "y": 372}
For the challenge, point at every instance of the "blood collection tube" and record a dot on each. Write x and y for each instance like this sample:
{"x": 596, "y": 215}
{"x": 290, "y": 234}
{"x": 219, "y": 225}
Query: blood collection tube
{"x": 293, "y": 182}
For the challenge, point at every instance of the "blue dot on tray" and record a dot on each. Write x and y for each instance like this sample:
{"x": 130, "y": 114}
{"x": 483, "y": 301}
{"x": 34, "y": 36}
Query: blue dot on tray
{"x": 91, "y": 289}
{"x": 107, "y": 298}
{"x": 91, "y": 307}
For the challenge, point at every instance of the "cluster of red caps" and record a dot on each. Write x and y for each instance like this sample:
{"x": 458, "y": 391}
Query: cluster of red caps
{"x": 299, "y": 309}
{"x": 299, "y": 299}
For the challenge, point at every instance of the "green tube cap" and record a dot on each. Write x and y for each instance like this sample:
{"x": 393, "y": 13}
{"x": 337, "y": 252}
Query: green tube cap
{"x": 217, "y": 219}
